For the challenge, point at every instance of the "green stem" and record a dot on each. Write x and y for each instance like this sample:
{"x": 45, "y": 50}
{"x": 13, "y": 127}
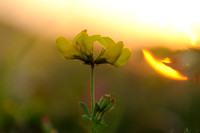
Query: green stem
{"x": 92, "y": 91}
{"x": 92, "y": 86}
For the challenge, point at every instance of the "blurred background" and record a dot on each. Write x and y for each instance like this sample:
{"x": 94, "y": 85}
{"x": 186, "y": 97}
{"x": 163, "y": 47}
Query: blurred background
{"x": 37, "y": 86}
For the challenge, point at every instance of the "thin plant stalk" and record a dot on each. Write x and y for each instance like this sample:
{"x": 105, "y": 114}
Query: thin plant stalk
{"x": 92, "y": 91}
{"x": 92, "y": 86}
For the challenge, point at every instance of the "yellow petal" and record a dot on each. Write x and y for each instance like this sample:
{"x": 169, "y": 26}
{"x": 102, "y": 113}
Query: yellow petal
{"x": 108, "y": 41}
{"x": 113, "y": 52}
{"x": 104, "y": 41}
{"x": 82, "y": 40}
{"x": 66, "y": 48}
{"x": 95, "y": 38}
{"x": 123, "y": 58}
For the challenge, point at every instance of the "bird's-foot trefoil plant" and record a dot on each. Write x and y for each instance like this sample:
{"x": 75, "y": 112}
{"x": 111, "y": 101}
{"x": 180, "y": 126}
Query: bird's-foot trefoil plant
{"x": 113, "y": 53}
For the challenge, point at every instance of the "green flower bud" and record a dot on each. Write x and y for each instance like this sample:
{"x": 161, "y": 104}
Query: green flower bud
{"x": 109, "y": 106}
{"x": 105, "y": 100}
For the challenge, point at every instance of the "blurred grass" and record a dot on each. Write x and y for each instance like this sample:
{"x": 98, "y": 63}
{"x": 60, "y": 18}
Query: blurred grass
{"x": 35, "y": 82}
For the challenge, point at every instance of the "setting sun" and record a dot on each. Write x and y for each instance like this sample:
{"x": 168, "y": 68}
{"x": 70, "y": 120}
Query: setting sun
{"x": 160, "y": 67}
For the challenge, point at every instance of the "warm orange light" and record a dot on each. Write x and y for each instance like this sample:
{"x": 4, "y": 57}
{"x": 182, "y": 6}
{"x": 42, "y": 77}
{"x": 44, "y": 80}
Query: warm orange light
{"x": 190, "y": 32}
{"x": 166, "y": 60}
{"x": 160, "y": 67}
{"x": 174, "y": 22}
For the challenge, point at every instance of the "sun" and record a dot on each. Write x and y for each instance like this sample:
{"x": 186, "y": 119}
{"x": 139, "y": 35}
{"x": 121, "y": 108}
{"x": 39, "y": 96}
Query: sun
{"x": 161, "y": 68}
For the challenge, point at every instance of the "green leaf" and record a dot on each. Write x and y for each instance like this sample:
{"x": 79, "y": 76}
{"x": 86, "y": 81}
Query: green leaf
{"x": 86, "y": 117}
{"x": 123, "y": 58}
{"x": 96, "y": 109}
{"x": 100, "y": 125}
{"x": 186, "y": 130}
{"x": 85, "y": 109}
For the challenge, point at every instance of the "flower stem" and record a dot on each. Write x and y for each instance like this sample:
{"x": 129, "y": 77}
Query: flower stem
{"x": 92, "y": 86}
{"x": 92, "y": 91}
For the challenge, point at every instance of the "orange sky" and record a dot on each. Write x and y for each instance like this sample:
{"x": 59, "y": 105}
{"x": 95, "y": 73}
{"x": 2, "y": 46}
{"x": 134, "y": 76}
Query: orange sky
{"x": 171, "y": 23}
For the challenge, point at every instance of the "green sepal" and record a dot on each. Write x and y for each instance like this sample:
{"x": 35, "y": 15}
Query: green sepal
{"x": 86, "y": 117}
{"x": 105, "y": 100}
{"x": 85, "y": 109}
{"x": 106, "y": 109}
{"x": 96, "y": 109}
{"x": 99, "y": 59}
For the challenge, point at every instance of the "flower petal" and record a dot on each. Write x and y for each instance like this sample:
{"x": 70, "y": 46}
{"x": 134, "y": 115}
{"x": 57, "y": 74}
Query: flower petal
{"x": 123, "y": 58}
{"x": 82, "y": 40}
{"x": 66, "y": 48}
{"x": 108, "y": 41}
{"x": 94, "y": 38}
{"x": 112, "y": 53}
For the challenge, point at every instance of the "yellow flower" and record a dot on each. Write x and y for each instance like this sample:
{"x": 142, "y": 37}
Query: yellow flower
{"x": 82, "y": 48}
{"x": 79, "y": 48}
{"x": 114, "y": 53}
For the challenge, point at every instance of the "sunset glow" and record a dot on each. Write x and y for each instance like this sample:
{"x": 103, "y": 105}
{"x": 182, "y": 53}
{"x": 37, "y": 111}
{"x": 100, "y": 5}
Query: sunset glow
{"x": 174, "y": 22}
{"x": 160, "y": 67}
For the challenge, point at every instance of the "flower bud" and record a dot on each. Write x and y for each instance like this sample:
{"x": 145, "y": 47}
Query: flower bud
{"x": 109, "y": 106}
{"x": 105, "y": 100}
